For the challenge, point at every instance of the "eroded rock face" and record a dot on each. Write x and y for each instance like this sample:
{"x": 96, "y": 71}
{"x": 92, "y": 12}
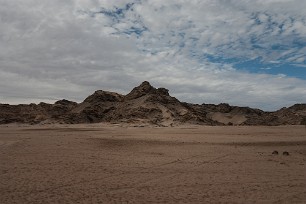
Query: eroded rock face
{"x": 143, "y": 89}
{"x": 148, "y": 105}
{"x": 34, "y": 113}
{"x": 103, "y": 96}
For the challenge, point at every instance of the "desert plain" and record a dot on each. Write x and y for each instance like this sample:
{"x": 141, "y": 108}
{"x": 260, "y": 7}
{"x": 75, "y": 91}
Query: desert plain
{"x": 113, "y": 163}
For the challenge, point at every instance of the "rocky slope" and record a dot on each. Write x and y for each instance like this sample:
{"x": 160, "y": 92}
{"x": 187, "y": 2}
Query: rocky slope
{"x": 146, "y": 105}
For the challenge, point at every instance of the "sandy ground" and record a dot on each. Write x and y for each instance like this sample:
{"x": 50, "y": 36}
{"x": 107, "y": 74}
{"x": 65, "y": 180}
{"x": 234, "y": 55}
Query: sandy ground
{"x": 112, "y": 164}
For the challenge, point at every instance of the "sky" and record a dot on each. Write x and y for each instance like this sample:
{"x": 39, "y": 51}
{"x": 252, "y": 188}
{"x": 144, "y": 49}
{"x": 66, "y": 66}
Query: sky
{"x": 242, "y": 52}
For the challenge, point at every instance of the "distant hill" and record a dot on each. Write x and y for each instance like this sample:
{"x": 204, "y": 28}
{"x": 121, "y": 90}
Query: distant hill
{"x": 146, "y": 105}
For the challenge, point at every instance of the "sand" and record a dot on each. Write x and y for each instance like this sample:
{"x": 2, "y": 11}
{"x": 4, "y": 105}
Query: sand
{"x": 105, "y": 163}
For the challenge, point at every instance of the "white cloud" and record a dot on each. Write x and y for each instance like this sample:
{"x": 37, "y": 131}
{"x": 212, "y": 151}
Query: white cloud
{"x": 67, "y": 49}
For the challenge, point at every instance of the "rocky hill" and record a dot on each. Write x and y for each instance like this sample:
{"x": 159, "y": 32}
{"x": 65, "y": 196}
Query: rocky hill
{"x": 146, "y": 105}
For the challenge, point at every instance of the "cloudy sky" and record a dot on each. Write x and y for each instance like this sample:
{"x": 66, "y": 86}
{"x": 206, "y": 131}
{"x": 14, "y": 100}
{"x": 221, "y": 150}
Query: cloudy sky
{"x": 243, "y": 52}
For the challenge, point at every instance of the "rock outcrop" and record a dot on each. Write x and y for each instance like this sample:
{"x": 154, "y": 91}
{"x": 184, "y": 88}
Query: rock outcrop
{"x": 146, "y": 104}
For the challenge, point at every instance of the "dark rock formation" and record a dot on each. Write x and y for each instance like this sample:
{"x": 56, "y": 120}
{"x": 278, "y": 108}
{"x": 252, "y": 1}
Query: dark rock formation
{"x": 286, "y": 153}
{"x": 275, "y": 152}
{"x": 146, "y": 104}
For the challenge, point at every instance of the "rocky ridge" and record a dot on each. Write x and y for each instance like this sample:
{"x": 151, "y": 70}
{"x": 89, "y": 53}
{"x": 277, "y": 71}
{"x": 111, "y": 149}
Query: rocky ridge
{"x": 146, "y": 105}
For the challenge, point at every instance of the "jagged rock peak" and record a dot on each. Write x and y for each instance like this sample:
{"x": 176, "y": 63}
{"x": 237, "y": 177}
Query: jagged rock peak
{"x": 145, "y": 88}
{"x": 163, "y": 91}
{"x": 65, "y": 102}
{"x": 103, "y": 96}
